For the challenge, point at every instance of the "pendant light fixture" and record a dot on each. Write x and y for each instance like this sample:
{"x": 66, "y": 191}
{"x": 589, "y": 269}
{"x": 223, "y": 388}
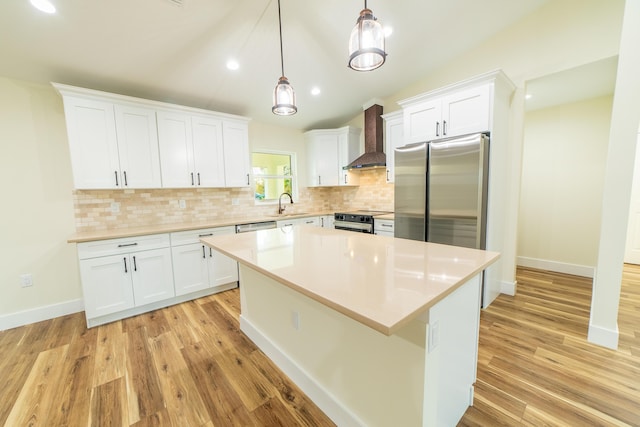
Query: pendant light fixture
{"x": 284, "y": 98}
{"x": 366, "y": 44}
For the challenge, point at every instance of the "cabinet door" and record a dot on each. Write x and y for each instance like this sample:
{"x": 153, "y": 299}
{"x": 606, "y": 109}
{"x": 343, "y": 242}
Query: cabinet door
{"x": 138, "y": 147}
{"x": 106, "y": 284}
{"x": 394, "y": 130}
{"x": 323, "y": 155}
{"x": 348, "y": 151}
{"x": 208, "y": 152}
{"x": 422, "y": 122}
{"x": 152, "y": 276}
{"x": 237, "y": 158}
{"x": 92, "y": 143}
{"x": 176, "y": 150}
{"x": 190, "y": 268}
{"x": 467, "y": 111}
{"x": 326, "y": 221}
{"x": 222, "y": 269}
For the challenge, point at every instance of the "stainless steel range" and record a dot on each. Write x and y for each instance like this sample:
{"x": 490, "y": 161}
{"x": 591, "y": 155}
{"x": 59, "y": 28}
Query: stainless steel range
{"x": 359, "y": 221}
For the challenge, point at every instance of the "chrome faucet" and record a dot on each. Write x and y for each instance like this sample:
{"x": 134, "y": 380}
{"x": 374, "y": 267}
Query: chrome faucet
{"x": 280, "y": 208}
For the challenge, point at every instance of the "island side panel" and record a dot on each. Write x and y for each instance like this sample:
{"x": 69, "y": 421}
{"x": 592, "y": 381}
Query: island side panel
{"x": 452, "y": 355}
{"x": 352, "y": 372}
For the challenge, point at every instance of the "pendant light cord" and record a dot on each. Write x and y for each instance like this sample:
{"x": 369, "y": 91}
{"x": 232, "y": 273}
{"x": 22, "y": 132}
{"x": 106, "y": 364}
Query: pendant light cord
{"x": 281, "y": 51}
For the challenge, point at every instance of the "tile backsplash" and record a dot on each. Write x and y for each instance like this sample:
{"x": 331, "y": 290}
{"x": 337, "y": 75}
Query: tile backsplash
{"x": 94, "y": 208}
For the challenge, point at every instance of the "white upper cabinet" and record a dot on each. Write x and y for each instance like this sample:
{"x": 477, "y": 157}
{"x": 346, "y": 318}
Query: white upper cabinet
{"x": 328, "y": 150}
{"x": 394, "y": 138}
{"x": 237, "y": 158}
{"x": 137, "y": 147}
{"x": 118, "y": 141}
{"x": 112, "y": 145}
{"x": 447, "y": 115}
{"x": 191, "y": 150}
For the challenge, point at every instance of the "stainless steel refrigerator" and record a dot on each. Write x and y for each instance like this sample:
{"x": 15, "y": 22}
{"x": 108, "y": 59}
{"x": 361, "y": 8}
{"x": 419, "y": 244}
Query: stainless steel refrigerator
{"x": 441, "y": 191}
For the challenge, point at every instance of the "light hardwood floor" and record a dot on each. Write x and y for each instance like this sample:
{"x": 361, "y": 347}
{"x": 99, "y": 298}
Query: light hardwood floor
{"x": 189, "y": 365}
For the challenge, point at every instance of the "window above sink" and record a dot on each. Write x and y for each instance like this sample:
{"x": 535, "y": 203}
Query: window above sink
{"x": 273, "y": 174}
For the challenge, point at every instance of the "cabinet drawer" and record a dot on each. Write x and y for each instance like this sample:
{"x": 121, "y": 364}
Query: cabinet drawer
{"x": 194, "y": 236}
{"x": 121, "y": 246}
{"x": 383, "y": 225}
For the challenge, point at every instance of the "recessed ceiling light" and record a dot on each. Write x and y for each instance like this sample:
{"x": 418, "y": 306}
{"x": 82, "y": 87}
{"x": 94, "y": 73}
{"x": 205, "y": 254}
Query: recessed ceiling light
{"x": 44, "y": 5}
{"x": 232, "y": 64}
{"x": 388, "y": 30}
{"x": 315, "y": 91}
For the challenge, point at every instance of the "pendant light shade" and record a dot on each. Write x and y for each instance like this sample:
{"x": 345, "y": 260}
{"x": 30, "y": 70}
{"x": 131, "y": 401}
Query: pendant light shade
{"x": 366, "y": 44}
{"x": 284, "y": 98}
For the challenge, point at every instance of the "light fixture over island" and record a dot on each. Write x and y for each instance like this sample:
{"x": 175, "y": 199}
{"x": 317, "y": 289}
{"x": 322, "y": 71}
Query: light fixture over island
{"x": 377, "y": 331}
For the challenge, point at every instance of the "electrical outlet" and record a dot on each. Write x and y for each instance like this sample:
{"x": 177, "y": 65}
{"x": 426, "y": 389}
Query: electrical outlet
{"x": 434, "y": 335}
{"x": 26, "y": 280}
{"x": 183, "y": 204}
{"x": 295, "y": 320}
{"x": 115, "y": 207}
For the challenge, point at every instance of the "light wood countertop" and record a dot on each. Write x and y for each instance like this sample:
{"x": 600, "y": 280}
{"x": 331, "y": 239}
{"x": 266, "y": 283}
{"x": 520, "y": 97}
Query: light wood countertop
{"x": 382, "y": 282}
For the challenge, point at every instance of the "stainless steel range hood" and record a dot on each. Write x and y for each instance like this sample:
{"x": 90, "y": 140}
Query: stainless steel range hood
{"x": 373, "y": 143}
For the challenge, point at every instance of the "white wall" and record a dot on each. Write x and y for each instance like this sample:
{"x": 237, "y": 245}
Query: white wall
{"x": 563, "y": 164}
{"x": 625, "y": 117}
{"x": 37, "y": 207}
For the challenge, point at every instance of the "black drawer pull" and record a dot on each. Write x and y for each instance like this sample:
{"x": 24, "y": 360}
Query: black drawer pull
{"x": 124, "y": 245}
{"x": 205, "y": 235}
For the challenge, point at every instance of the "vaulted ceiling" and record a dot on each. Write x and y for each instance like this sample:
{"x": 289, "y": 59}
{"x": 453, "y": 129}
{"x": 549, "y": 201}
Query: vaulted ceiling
{"x": 176, "y": 50}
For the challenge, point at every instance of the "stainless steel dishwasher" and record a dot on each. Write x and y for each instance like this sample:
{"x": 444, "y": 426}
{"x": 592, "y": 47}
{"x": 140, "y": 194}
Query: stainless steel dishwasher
{"x": 253, "y": 226}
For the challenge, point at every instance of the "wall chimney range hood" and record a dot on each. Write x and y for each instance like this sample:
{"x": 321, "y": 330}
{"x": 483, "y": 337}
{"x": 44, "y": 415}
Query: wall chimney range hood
{"x": 373, "y": 143}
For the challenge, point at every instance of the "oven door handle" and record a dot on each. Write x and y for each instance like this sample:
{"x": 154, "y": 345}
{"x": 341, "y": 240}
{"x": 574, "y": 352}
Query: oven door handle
{"x": 352, "y": 225}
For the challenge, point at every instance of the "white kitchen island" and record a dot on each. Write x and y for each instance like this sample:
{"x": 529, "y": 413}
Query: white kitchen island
{"x": 377, "y": 331}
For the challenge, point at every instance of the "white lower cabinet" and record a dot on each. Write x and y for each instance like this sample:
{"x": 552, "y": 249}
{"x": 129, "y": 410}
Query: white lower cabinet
{"x": 326, "y": 221}
{"x": 312, "y": 220}
{"x": 120, "y": 274}
{"x": 196, "y": 266}
{"x": 383, "y": 227}
{"x": 129, "y": 276}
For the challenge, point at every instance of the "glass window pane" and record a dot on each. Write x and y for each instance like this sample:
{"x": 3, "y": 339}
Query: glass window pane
{"x": 272, "y": 174}
{"x": 271, "y": 164}
{"x": 271, "y": 188}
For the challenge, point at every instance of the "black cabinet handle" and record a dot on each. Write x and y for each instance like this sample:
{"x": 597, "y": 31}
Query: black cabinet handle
{"x": 125, "y": 179}
{"x": 248, "y": 179}
{"x": 116, "y": 175}
{"x": 437, "y": 128}
{"x": 210, "y": 253}
{"x": 319, "y": 180}
{"x": 124, "y": 245}
{"x": 386, "y": 225}
{"x": 205, "y": 235}
{"x": 204, "y": 255}
{"x": 444, "y": 127}
{"x": 387, "y": 174}
{"x": 345, "y": 178}
{"x": 125, "y": 264}
{"x": 198, "y": 178}
{"x": 192, "y": 183}
{"x": 135, "y": 267}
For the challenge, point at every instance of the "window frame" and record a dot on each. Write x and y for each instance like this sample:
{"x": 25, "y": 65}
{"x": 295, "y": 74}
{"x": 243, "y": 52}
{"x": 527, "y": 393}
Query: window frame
{"x": 293, "y": 176}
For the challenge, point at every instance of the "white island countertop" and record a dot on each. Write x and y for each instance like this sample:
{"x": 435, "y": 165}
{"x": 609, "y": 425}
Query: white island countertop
{"x": 382, "y": 282}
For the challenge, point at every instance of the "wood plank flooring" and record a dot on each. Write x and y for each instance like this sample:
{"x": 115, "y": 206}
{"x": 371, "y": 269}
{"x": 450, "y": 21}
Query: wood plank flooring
{"x": 189, "y": 365}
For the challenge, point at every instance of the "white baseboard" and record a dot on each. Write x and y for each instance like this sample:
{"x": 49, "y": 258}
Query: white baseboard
{"x": 25, "y": 317}
{"x": 603, "y": 336}
{"x": 509, "y": 288}
{"x": 558, "y": 267}
{"x": 338, "y": 413}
